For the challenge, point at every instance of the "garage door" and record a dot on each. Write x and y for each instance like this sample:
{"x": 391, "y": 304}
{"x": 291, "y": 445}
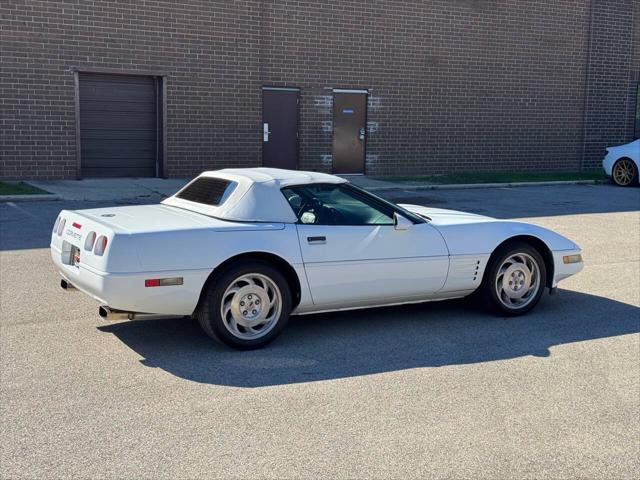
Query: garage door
{"x": 119, "y": 125}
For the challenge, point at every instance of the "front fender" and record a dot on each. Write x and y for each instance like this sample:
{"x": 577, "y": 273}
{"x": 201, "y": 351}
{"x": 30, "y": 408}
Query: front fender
{"x": 484, "y": 237}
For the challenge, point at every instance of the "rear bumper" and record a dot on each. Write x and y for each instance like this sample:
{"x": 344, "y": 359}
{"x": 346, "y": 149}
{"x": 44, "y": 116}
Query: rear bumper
{"x": 127, "y": 291}
{"x": 83, "y": 278}
{"x": 564, "y": 270}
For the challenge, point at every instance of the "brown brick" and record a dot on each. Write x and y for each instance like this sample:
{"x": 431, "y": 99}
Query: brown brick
{"x": 455, "y": 84}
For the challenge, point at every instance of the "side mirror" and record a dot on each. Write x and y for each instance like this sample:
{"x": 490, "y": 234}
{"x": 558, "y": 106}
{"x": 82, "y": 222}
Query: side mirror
{"x": 400, "y": 222}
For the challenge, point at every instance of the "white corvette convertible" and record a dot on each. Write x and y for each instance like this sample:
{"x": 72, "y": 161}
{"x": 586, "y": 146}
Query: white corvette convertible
{"x": 243, "y": 249}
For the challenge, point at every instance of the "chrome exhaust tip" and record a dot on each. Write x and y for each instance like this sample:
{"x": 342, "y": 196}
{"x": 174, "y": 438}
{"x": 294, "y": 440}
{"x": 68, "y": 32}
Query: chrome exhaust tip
{"x": 111, "y": 314}
{"x": 66, "y": 285}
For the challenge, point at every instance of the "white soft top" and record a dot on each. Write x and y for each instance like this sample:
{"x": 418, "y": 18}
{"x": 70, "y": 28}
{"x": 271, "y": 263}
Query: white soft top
{"x": 257, "y": 196}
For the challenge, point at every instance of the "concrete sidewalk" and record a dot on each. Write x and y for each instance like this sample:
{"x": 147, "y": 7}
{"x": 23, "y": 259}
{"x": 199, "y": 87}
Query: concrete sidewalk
{"x": 112, "y": 189}
{"x": 155, "y": 189}
{"x": 142, "y": 189}
{"x": 374, "y": 184}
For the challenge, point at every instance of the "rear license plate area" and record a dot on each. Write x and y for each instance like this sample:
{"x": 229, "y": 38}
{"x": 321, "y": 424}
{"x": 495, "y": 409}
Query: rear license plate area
{"x": 70, "y": 254}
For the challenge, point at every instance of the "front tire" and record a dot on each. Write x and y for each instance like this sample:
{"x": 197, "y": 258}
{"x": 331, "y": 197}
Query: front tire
{"x": 514, "y": 280}
{"x": 246, "y": 306}
{"x": 624, "y": 172}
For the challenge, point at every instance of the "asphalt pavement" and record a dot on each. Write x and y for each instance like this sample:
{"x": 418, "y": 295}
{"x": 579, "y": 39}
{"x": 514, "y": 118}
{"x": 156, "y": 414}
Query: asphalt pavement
{"x": 436, "y": 390}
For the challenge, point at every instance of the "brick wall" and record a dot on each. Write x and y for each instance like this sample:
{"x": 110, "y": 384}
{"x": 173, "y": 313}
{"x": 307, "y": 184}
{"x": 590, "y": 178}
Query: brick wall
{"x": 634, "y": 87}
{"x": 609, "y": 101}
{"x": 455, "y": 84}
{"x": 207, "y": 49}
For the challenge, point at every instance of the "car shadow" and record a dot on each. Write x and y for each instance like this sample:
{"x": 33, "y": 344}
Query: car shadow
{"x": 347, "y": 344}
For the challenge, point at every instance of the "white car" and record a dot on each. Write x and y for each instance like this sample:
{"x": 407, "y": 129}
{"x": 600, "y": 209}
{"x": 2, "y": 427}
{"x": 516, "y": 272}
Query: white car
{"x": 622, "y": 163}
{"x": 242, "y": 249}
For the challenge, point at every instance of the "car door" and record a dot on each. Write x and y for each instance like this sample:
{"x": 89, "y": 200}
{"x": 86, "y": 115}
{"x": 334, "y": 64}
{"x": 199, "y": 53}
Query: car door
{"x": 354, "y": 255}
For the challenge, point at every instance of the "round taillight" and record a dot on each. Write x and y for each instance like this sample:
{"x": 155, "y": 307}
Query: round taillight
{"x": 89, "y": 241}
{"x": 101, "y": 245}
{"x": 61, "y": 226}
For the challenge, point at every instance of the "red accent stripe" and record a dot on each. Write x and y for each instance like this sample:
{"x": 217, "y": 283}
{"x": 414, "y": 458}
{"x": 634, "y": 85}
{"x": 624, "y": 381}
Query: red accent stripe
{"x": 76, "y": 225}
{"x": 154, "y": 282}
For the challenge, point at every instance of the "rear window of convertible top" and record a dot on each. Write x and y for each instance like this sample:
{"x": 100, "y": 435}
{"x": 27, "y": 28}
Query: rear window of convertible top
{"x": 208, "y": 191}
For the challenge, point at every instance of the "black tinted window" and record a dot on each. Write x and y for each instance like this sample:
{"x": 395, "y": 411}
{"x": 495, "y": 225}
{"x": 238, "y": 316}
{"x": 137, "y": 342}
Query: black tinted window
{"x": 322, "y": 204}
{"x": 208, "y": 190}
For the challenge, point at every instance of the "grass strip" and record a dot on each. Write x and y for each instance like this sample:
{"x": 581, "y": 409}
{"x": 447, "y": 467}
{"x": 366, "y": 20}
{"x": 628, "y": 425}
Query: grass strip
{"x": 497, "y": 177}
{"x": 19, "y": 188}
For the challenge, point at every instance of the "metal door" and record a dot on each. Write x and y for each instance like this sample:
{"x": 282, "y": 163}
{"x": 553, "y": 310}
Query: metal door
{"x": 349, "y": 130}
{"x": 280, "y": 127}
{"x": 119, "y": 125}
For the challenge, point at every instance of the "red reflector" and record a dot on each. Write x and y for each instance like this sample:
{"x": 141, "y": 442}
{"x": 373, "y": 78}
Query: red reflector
{"x": 76, "y": 225}
{"x": 163, "y": 282}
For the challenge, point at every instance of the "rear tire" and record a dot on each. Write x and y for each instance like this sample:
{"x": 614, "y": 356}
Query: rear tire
{"x": 246, "y": 306}
{"x": 514, "y": 280}
{"x": 624, "y": 173}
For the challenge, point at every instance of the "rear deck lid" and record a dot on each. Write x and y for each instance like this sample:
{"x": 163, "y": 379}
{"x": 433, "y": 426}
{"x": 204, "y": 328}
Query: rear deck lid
{"x": 163, "y": 218}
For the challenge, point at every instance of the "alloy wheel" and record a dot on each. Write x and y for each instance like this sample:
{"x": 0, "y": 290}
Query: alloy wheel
{"x": 251, "y": 306}
{"x": 623, "y": 172}
{"x": 518, "y": 280}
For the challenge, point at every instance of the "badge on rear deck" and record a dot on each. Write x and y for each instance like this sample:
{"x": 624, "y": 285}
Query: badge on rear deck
{"x": 72, "y": 234}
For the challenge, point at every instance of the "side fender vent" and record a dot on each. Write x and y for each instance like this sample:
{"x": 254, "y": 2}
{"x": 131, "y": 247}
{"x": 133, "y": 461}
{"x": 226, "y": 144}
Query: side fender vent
{"x": 465, "y": 272}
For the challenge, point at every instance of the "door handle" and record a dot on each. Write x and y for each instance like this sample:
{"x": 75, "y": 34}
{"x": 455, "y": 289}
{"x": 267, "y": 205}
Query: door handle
{"x": 316, "y": 240}
{"x": 265, "y": 132}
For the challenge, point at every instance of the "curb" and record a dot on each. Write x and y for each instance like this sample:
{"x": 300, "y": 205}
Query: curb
{"x": 468, "y": 186}
{"x": 29, "y": 197}
{"x": 410, "y": 188}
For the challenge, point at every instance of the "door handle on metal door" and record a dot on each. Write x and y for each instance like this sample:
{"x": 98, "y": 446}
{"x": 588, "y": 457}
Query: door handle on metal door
{"x": 316, "y": 240}
{"x": 265, "y": 132}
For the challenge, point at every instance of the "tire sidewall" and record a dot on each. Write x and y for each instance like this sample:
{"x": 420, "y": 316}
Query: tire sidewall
{"x": 219, "y": 285}
{"x": 497, "y": 259}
